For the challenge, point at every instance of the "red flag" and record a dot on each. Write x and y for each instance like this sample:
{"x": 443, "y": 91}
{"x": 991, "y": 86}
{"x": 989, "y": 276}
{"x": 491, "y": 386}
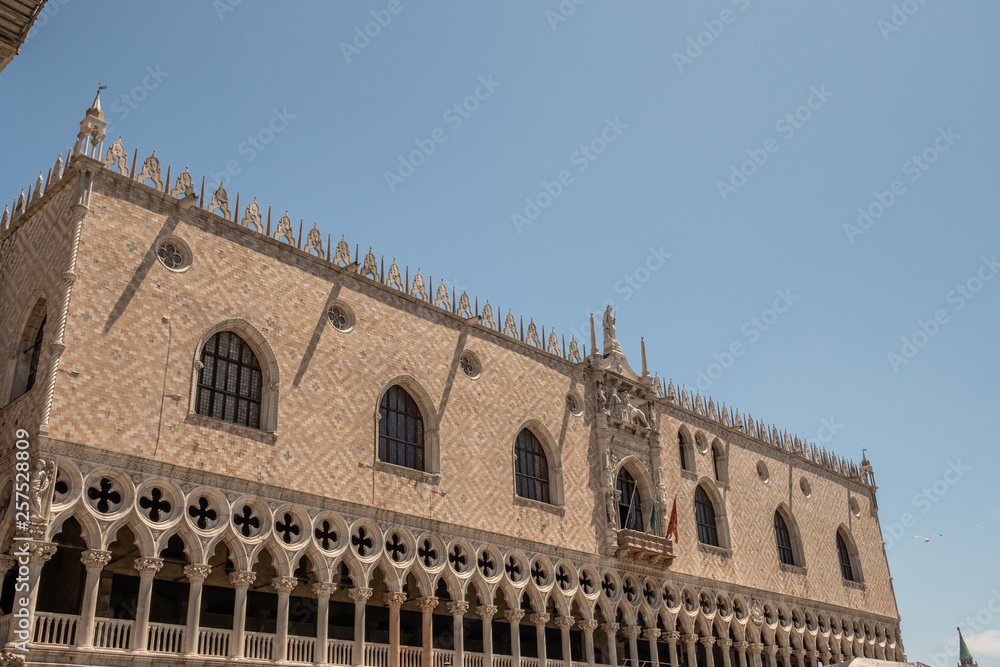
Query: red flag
{"x": 672, "y": 526}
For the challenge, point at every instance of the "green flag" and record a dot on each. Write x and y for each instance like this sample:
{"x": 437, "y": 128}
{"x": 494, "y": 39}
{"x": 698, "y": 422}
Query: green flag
{"x": 652, "y": 520}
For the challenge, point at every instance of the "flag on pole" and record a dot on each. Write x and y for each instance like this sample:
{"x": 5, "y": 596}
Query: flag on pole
{"x": 652, "y": 520}
{"x": 672, "y": 526}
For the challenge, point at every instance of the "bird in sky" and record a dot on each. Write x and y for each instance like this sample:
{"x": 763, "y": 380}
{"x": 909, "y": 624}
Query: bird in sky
{"x": 927, "y": 539}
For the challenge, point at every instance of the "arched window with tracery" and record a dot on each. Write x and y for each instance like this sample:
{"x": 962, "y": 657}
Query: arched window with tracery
{"x": 400, "y": 430}
{"x": 783, "y": 540}
{"x": 531, "y": 468}
{"x": 704, "y": 513}
{"x": 230, "y": 381}
{"x": 629, "y": 502}
{"x": 29, "y": 348}
{"x": 844, "y": 556}
{"x": 685, "y": 452}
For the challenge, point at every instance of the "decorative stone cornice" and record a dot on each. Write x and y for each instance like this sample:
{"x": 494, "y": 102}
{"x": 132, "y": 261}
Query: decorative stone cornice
{"x": 486, "y": 611}
{"x": 323, "y": 589}
{"x": 147, "y": 566}
{"x": 394, "y": 599}
{"x": 514, "y": 615}
{"x": 284, "y": 585}
{"x": 360, "y": 595}
{"x": 427, "y": 603}
{"x": 196, "y": 574}
{"x": 564, "y": 622}
{"x": 539, "y": 618}
{"x": 458, "y": 607}
{"x": 242, "y": 578}
{"x": 94, "y": 559}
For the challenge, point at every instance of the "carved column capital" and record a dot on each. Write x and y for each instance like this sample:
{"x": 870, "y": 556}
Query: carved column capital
{"x": 40, "y": 552}
{"x": 458, "y": 607}
{"x": 8, "y": 659}
{"x": 785, "y": 651}
{"x": 564, "y": 622}
{"x": 707, "y": 642}
{"x": 771, "y": 650}
{"x": 673, "y": 636}
{"x": 242, "y": 578}
{"x": 360, "y": 595}
{"x": 632, "y": 631}
{"x": 587, "y": 624}
{"x": 196, "y": 574}
{"x": 724, "y": 643}
{"x": 284, "y": 585}
{"x": 394, "y": 600}
{"x": 323, "y": 589}
{"x": 6, "y": 562}
{"x": 651, "y": 633}
{"x": 539, "y": 618}
{"x": 812, "y": 654}
{"x": 799, "y": 652}
{"x": 689, "y": 639}
{"x": 427, "y": 603}
{"x": 486, "y": 611}
{"x": 610, "y": 628}
{"x": 147, "y": 566}
{"x": 514, "y": 615}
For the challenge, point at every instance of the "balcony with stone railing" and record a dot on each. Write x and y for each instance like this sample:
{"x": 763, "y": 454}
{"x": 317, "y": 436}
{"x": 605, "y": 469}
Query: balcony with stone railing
{"x": 115, "y": 637}
{"x": 636, "y": 545}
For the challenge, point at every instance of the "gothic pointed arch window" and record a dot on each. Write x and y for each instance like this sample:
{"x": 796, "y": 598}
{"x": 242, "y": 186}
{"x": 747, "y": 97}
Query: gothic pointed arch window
{"x": 531, "y": 468}
{"x": 400, "y": 429}
{"x": 783, "y": 540}
{"x": 28, "y": 351}
{"x": 844, "y": 556}
{"x": 629, "y": 502}
{"x": 230, "y": 382}
{"x": 685, "y": 450}
{"x": 704, "y": 512}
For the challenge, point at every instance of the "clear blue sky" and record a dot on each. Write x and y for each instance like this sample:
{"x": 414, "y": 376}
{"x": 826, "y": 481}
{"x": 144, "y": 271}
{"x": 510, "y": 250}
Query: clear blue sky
{"x": 194, "y": 82}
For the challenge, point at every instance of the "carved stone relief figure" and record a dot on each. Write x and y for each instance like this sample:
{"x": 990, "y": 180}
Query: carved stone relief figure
{"x": 42, "y": 474}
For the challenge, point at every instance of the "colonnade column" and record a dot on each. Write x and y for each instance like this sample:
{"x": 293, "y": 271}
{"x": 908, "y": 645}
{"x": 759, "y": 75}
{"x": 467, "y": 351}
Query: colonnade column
{"x": 632, "y": 632}
{"x": 394, "y": 601}
{"x": 487, "y": 612}
{"x": 94, "y": 560}
{"x": 514, "y": 617}
{"x": 653, "y": 634}
{"x": 772, "y": 652}
{"x": 426, "y": 606}
{"x": 241, "y": 581}
{"x": 741, "y": 653}
{"x": 360, "y": 597}
{"x": 564, "y": 623}
{"x": 672, "y": 638}
{"x": 689, "y": 642}
{"x": 38, "y": 554}
{"x": 539, "y": 620}
{"x": 284, "y": 587}
{"x": 196, "y": 575}
{"x": 457, "y": 610}
{"x": 588, "y": 625}
{"x": 813, "y": 657}
{"x": 755, "y": 649}
{"x": 708, "y": 643}
{"x": 786, "y": 655}
{"x": 800, "y": 657}
{"x": 611, "y": 630}
{"x": 147, "y": 568}
{"x": 725, "y": 644}
{"x": 322, "y": 591}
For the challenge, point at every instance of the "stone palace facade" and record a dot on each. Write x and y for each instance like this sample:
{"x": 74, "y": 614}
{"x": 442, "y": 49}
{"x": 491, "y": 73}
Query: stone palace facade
{"x": 250, "y": 442}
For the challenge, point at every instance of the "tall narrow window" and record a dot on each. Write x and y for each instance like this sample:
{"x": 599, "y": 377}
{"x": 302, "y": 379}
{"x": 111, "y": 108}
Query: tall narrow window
{"x": 704, "y": 512}
{"x": 685, "y": 451}
{"x": 531, "y": 468}
{"x": 230, "y": 381}
{"x": 29, "y": 349}
{"x": 715, "y": 463}
{"x": 783, "y": 540}
{"x": 683, "y": 454}
{"x": 400, "y": 430}
{"x": 844, "y": 556}
{"x": 629, "y": 503}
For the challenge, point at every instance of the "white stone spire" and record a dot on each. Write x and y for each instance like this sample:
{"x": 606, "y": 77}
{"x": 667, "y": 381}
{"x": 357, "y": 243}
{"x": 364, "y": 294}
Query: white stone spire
{"x": 90, "y": 140}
